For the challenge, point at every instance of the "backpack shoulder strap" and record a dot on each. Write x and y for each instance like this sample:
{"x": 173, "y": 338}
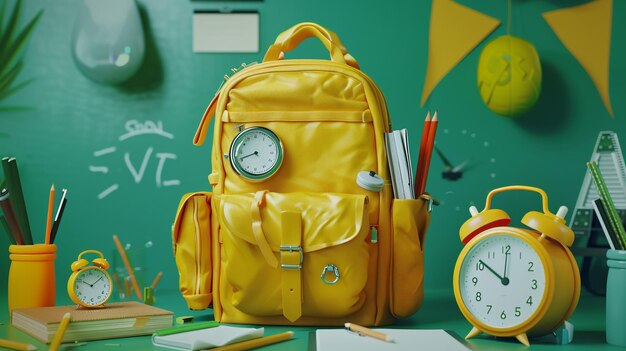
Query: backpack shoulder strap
{"x": 198, "y": 139}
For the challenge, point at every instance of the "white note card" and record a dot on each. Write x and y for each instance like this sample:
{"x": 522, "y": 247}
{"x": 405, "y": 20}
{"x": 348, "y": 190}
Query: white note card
{"x": 225, "y": 32}
{"x": 404, "y": 339}
{"x": 207, "y": 338}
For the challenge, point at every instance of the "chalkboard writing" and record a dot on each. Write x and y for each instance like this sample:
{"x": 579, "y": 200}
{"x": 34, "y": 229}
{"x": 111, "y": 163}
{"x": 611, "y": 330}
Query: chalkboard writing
{"x": 137, "y": 170}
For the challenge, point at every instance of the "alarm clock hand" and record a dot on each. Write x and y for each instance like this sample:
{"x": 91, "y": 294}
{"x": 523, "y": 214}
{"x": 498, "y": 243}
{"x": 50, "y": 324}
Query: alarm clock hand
{"x": 504, "y": 281}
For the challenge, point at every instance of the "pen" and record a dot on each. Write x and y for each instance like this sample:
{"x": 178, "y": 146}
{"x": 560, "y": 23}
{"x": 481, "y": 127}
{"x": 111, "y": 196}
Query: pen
{"x": 58, "y": 216}
{"x": 256, "y": 343}
{"x": 9, "y": 214}
{"x": 14, "y": 345}
{"x": 58, "y": 336}
{"x": 368, "y": 332}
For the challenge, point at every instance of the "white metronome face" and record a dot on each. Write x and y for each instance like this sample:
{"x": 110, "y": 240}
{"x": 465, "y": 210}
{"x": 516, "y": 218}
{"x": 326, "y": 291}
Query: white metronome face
{"x": 502, "y": 281}
{"x": 92, "y": 287}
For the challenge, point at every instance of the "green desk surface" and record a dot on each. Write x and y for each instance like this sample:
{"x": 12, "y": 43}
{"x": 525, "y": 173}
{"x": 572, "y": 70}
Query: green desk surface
{"x": 439, "y": 311}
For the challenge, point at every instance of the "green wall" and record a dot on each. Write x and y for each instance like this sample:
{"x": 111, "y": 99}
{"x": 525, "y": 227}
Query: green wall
{"x": 70, "y": 117}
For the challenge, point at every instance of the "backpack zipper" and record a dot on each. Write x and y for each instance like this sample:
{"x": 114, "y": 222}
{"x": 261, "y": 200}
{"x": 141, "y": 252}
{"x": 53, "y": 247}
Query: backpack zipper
{"x": 198, "y": 246}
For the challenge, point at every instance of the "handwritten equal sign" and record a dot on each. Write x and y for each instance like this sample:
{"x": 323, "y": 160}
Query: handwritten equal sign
{"x": 104, "y": 169}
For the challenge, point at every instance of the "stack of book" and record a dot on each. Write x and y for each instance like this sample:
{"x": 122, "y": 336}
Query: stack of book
{"x": 116, "y": 320}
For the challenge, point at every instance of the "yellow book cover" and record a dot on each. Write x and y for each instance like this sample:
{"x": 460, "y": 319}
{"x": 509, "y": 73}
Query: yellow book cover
{"x": 116, "y": 320}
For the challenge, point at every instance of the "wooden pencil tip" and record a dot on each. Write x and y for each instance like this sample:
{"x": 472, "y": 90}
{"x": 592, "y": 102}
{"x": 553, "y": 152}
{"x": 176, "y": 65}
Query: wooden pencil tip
{"x": 427, "y": 117}
{"x": 30, "y": 347}
{"x": 435, "y": 116}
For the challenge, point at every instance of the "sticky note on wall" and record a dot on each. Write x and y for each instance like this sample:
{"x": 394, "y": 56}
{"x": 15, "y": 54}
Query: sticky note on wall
{"x": 215, "y": 31}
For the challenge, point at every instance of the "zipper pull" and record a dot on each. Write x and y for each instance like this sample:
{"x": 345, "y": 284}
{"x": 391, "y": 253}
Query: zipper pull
{"x": 374, "y": 237}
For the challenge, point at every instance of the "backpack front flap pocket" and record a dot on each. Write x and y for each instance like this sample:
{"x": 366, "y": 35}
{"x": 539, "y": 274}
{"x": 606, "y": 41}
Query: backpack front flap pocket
{"x": 296, "y": 254}
{"x": 191, "y": 236}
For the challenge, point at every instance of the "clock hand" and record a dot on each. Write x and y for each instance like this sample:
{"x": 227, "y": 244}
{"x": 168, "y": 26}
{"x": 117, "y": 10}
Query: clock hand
{"x": 504, "y": 281}
{"x": 94, "y": 283}
{"x": 506, "y": 258}
{"x": 254, "y": 153}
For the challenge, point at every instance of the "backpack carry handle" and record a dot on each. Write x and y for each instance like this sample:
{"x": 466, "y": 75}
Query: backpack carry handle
{"x": 292, "y": 37}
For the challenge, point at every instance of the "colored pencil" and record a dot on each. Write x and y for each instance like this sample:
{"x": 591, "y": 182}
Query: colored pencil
{"x": 5, "y": 228}
{"x": 432, "y": 131}
{"x": 58, "y": 216}
{"x": 49, "y": 217}
{"x": 14, "y": 345}
{"x": 607, "y": 201}
{"x": 58, "y": 336}
{"x": 256, "y": 343}
{"x": 14, "y": 184}
{"x": 156, "y": 280}
{"x": 9, "y": 214}
{"x": 420, "y": 159}
{"x": 129, "y": 268}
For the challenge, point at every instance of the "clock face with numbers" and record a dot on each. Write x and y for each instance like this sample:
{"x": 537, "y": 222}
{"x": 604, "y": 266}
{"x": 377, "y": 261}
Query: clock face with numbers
{"x": 256, "y": 153}
{"x": 502, "y": 281}
{"x": 90, "y": 287}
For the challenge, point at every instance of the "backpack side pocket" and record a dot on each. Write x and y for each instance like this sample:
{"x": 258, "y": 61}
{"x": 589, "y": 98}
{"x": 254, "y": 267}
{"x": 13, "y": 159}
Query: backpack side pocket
{"x": 191, "y": 236}
{"x": 410, "y": 219}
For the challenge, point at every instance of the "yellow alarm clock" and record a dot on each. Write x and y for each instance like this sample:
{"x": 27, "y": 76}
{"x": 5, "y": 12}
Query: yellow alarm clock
{"x": 90, "y": 286}
{"x": 511, "y": 281}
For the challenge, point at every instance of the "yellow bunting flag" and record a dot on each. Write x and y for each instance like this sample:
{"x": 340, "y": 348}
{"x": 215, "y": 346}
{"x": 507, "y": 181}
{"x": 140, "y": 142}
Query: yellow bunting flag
{"x": 455, "y": 30}
{"x": 585, "y": 30}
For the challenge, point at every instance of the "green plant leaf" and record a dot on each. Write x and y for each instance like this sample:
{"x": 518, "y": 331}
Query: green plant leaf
{"x": 8, "y": 32}
{"x": 14, "y": 89}
{"x": 2, "y": 9}
{"x": 7, "y": 78}
{"x": 17, "y": 45}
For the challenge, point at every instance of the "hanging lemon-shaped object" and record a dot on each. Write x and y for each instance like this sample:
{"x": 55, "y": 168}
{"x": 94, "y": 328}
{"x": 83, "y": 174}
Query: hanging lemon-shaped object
{"x": 509, "y": 76}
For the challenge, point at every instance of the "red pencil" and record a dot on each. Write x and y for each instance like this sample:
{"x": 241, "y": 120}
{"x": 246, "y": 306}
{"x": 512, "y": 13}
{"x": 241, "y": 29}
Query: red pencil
{"x": 420, "y": 160}
{"x": 432, "y": 131}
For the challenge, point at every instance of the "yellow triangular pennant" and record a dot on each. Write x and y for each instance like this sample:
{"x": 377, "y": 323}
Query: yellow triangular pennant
{"x": 585, "y": 30}
{"x": 455, "y": 30}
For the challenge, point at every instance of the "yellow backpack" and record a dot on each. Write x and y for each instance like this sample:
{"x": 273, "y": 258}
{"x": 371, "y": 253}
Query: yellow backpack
{"x": 287, "y": 236}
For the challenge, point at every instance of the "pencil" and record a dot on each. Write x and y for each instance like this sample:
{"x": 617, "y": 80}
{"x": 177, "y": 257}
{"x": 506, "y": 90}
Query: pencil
{"x": 368, "y": 332}
{"x": 420, "y": 159}
{"x": 432, "y": 131}
{"x": 5, "y": 227}
{"x": 58, "y": 336}
{"x": 156, "y": 280}
{"x": 129, "y": 268}
{"x": 9, "y": 214}
{"x": 14, "y": 345}
{"x": 49, "y": 217}
{"x": 14, "y": 184}
{"x": 256, "y": 343}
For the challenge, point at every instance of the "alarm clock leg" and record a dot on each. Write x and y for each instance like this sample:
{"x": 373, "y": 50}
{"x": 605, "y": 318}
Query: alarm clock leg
{"x": 523, "y": 339}
{"x": 474, "y": 332}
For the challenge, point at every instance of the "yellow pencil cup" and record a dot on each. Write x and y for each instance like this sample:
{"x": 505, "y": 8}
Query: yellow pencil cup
{"x": 31, "y": 276}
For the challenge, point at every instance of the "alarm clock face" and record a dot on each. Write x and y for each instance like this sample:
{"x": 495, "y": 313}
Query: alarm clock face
{"x": 92, "y": 286}
{"x": 502, "y": 281}
{"x": 256, "y": 153}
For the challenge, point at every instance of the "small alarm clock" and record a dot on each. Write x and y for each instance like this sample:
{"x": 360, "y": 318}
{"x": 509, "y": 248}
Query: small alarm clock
{"x": 89, "y": 286}
{"x": 256, "y": 154}
{"x": 517, "y": 282}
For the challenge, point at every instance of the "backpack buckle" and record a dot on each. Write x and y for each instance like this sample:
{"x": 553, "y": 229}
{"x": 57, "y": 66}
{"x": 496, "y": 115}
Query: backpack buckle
{"x": 291, "y": 249}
